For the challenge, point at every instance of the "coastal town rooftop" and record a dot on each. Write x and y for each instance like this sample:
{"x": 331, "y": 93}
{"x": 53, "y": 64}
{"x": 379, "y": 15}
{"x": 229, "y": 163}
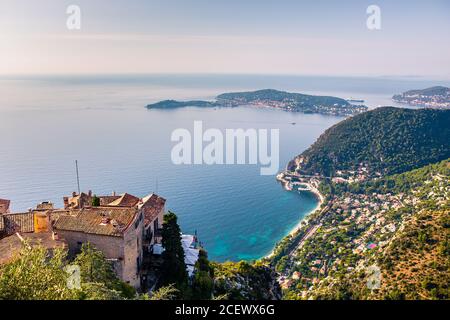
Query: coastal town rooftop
{"x": 107, "y": 221}
{"x": 11, "y": 245}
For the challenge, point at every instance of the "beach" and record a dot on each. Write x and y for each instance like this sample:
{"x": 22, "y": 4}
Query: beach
{"x": 321, "y": 200}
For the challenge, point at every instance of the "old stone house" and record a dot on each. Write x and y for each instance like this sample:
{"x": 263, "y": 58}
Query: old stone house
{"x": 116, "y": 231}
{"x": 119, "y": 244}
{"x": 123, "y": 227}
{"x": 152, "y": 207}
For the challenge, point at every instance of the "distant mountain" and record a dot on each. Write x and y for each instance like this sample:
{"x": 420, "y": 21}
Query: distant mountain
{"x": 387, "y": 140}
{"x": 437, "y": 97}
{"x": 438, "y": 90}
{"x": 275, "y": 99}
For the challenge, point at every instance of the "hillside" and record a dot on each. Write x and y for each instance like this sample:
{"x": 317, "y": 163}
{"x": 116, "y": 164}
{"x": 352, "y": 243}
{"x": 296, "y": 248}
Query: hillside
{"x": 438, "y": 90}
{"x": 386, "y": 238}
{"x": 244, "y": 281}
{"x": 298, "y": 100}
{"x": 386, "y": 141}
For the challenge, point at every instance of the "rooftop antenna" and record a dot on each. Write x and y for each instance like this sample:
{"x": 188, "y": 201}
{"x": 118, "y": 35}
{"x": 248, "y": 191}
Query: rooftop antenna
{"x": 156, "y": 186}
{"x": 78, "y": 176}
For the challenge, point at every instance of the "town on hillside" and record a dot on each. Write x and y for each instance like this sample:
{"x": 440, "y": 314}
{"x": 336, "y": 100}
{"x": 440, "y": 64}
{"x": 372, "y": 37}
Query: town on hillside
{"x": 125, "y": 228}
{"x": 340, "y": 237}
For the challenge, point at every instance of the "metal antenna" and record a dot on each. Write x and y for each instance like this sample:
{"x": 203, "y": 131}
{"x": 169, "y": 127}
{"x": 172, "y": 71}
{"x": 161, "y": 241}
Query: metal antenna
{"x": 78, "y": 176}
{"x": 156, "y": 186}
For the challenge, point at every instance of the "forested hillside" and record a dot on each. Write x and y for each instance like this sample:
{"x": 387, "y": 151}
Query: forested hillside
{"x": 387, "y": 140}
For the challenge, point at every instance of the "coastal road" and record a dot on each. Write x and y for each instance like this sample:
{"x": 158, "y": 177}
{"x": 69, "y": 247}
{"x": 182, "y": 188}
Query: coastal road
{"x": 311, "y": 231}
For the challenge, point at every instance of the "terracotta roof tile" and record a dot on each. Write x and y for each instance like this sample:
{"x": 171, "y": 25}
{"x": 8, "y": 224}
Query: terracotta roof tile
{"x": 125, "y": 200}
{"x": 12, "y": 244}
{"x": 152, "y": 206}
{"x": 108, "y": 221}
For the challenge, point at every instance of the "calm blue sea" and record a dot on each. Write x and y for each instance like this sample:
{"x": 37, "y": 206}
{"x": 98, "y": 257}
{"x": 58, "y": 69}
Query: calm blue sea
{"x": 48, "y": 122}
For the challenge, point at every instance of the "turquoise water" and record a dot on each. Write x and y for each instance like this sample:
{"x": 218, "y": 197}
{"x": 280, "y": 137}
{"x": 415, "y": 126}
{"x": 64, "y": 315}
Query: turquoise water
{"x": 47, "y": 123}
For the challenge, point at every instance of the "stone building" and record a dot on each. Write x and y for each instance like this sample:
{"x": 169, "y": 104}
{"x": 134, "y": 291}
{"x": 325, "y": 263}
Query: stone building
{"x": 120, "y": 247}
{"x": 152, "y": 206}
{"x": 123, "y": 227}
{"x": 116, "y": 231}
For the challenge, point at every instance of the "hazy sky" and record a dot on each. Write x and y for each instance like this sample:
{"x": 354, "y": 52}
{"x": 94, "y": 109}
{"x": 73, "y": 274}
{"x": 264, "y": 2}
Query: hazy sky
{"x": 226, "y": 36}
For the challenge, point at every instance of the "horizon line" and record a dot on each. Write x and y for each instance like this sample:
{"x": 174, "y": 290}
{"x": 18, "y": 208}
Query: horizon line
{"x": 18, "y": 76}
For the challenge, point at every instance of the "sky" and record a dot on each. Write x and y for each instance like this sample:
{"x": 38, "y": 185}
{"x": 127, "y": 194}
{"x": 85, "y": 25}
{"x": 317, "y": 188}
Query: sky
{"x": 226, "y": 36}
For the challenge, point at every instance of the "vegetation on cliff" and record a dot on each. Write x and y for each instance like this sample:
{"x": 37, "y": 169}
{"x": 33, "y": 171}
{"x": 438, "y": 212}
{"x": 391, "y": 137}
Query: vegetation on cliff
{"x": 37, "y": 274}
{"x": 245, "y": 281}
{"x": 387, "y": 140}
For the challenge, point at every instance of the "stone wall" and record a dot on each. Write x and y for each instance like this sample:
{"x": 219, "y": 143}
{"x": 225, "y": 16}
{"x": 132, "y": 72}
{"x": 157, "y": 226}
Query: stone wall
{"x": 133, "y": 254}
{"x": 16, "y": 222}
{"x": 122, "y": 251}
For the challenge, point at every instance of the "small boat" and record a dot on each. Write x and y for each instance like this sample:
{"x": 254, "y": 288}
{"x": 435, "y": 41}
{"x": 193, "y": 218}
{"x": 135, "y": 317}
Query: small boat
{"x": 293, "y": 123}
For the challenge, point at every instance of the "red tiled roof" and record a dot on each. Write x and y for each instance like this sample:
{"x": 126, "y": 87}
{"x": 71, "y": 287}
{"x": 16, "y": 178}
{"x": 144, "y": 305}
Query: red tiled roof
{"x": 105, "y": 200}
{"x": 4, "y": 205}
{"x": 12, "y": 244}
{"x": 152, "y": 206}
{"x": 125, "y": 200}
{"x": 108, "y": 221}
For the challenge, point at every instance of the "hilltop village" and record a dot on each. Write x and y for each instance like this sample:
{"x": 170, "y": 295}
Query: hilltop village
{"x": 125, "y": 228}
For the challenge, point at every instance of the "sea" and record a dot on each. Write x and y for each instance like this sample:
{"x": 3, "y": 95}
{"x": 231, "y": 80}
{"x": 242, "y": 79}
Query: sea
{"x": 48, "y": 122}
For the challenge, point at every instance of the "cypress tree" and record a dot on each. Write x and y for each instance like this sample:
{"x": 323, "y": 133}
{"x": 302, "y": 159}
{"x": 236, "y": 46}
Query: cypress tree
{"x": 174, "y": 267}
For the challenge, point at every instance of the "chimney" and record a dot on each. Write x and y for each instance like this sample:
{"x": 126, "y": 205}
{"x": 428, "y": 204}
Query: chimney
{"x": 90, "y": 193}
{"x": 105, "y": 221}
{"x": 114, "y": 193}
{"x": 74, "y": 194}
{"x": 66, "y": 202}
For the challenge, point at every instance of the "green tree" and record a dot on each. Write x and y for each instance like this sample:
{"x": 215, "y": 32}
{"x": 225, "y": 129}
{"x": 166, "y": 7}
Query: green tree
{"x": 93, "y": 265}
{"x": 98, "y": 291}
{"x": 174, "y": 267}
{"x": 202, "y": 286}
{"x": 164, "y": 293}
{"x": 95, "y": 201}
{"x": 94, "y": 268}
{"x": 35, "y": 274}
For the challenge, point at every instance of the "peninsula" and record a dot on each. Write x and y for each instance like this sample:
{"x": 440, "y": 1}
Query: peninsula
{"x": 282, "y": 100}
{"x": 434, "y": 97}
